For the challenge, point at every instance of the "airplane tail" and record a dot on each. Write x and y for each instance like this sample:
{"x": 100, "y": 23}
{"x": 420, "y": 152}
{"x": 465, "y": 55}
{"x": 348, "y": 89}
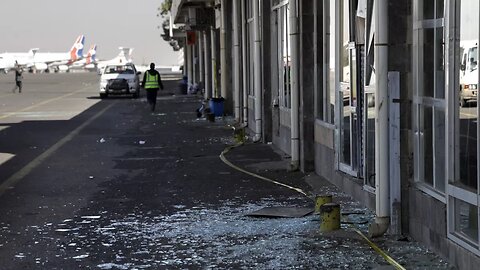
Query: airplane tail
{"x": 92, "y": 53}
{"x": 130, "y": 51}
{"x": 124, "y": 54}
{"x": 124, "y": 51}
{"x": 76, "y": 52}
{"x": 33, "y": 51}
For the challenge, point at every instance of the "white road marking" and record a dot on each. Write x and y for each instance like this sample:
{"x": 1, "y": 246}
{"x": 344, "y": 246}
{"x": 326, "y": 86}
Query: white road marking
{"x": 42, "y": 103}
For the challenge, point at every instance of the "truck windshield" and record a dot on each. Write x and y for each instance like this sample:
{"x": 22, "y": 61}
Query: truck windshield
{"x": 473, "y": 57}
{"x": 119, "y": 70}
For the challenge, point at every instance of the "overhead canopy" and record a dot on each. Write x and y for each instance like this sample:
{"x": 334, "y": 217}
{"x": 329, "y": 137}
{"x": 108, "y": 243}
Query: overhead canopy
{"x": 182, "y": 9}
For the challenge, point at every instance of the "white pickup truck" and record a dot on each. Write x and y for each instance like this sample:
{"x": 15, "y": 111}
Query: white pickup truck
{"x": 119, "y": 79}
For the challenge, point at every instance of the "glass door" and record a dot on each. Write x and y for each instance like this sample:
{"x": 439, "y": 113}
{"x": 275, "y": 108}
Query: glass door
{"x": 348, "y": 96}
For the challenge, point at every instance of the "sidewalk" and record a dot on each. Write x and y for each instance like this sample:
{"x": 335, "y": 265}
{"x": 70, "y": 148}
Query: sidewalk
{"x": 208, "y": 225}
{"x": 343, "y": 248}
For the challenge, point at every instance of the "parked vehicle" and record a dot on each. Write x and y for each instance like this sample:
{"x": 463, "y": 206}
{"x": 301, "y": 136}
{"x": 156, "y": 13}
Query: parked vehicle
{"x": 468, "y": 72}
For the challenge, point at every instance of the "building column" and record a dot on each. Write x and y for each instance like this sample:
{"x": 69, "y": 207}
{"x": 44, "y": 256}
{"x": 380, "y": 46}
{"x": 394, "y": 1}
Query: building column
{"x": 189, "y": 65}
{"x": 225, "y": 63}
{"x": 213, "y": 47}
{"x": 236, "y": 60}
{"x": 294, "y": 98}
{"x": 185, "y": 60}
{"x": 257, "y": 58}
{"x": 200, "y": 60}
{"x": 307, "y": 84}
{"x": 244, "y": 93}
{"x": 207, "y": 62}
{"x": 194, "y": 62}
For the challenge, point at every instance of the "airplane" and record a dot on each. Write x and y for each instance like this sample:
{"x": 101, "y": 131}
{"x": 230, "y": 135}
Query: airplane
{"x": 35, "y": 60}
{"x": 88, "y": 62}
{"x": 9, "y": 60}
{"x": 91, "y": 59}
{"x": 124, "y": 56}
{"x": 44, "y": 61}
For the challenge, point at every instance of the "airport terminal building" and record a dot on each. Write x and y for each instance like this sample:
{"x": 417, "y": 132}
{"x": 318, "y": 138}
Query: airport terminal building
{"x": 377, "y": 97}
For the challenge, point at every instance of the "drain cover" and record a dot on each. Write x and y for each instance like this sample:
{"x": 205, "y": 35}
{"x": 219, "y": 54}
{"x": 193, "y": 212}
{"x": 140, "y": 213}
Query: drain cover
{"x": 282, "y": 212}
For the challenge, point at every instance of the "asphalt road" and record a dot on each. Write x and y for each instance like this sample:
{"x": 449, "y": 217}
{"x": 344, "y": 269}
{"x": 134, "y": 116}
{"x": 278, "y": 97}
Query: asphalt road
{"x": 105, "y": 184}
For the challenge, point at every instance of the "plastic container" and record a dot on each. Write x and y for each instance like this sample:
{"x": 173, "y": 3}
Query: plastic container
{"x": 216, "y": 106}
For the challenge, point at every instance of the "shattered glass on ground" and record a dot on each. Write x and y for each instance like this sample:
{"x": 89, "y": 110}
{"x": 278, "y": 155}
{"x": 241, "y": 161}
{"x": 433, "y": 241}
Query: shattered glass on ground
{"x": 206, "y": 237}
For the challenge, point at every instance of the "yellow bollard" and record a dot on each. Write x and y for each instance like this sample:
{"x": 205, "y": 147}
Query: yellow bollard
{"x": 330, "y": 216}
{"x": 239, "y": 133}
{"x": 321, "y": 200}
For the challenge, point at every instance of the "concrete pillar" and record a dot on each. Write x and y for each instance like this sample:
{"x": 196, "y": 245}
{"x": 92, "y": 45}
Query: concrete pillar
{"x": 225, "y": 56}
{"x": 294, "y": 115}
{"x": 189, "y": 65}
{"x": 201, "y": 66}
{"x": 207, "y": 62}
{"x": 214, "y": 63}
{"x": 244, "y": 93}
{"x": 185, "y": 61}
{"x": 236, "y": 60}
{"x": 307, "y": 82}
{"x": 194, "y": 62}
{"x": 267, "y": 122}
{"x": 257, "y": 58}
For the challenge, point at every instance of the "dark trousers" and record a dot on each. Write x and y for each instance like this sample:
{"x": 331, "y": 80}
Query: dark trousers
{"x": 18, "y": 84}
{"x": 152, "y": 97}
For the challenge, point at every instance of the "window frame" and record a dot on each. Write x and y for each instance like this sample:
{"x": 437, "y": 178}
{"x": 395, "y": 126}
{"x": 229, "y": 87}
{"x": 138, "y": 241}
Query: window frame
{"x": 422, "y": 102}
{"x": 454, "y": 191}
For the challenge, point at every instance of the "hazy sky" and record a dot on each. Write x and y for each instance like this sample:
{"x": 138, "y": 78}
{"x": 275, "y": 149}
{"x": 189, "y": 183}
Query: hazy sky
{"x": 53, "y": 26}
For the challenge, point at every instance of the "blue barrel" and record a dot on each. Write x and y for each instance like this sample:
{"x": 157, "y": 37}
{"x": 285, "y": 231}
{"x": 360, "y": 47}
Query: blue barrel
{"x": 216, "y": 106}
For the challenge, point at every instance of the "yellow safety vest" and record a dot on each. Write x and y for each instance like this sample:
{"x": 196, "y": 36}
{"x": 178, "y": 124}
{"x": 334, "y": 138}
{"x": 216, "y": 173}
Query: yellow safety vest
{"x": 151, "y": 81}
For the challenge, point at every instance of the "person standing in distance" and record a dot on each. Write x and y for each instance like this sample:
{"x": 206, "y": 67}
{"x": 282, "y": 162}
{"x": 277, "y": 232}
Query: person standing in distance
{"x": 152, "y": 82}
{"x": 18, "y": 78}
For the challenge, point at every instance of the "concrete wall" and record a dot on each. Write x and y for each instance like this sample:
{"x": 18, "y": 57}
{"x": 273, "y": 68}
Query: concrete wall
{"x": 428, "y": 224}
{"x": 325, "y": 167}
{"x": 283, "y": 141}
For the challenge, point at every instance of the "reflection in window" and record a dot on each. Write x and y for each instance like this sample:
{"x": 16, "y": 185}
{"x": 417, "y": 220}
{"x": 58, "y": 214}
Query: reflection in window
{"x": 466, "y": 220}
{"x": 345, "y": 69}
{"x": 370, "y": 140}
{"x": 430, "y": 92}
{"x": 466, "y": 123}
{"x": 331, "y": 59}
{"x": 328, "y": 95}
{"x": 427, "y": 143}
{"x": 284, "y": 56}
{"x": 432, "y": 141}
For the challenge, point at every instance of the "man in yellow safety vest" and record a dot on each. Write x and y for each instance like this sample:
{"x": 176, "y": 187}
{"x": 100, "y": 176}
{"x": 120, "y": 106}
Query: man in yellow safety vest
{"x": 152, "y": 82}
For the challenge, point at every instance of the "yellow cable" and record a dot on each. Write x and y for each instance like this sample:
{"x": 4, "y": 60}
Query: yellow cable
{"x": 380, "y": 251}
{"x": 370, "y": 243}
{"x": 222, "y": 157}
